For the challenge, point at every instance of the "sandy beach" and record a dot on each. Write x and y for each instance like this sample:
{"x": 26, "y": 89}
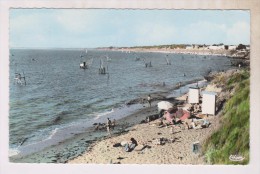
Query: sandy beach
{"x": 205, "y": 52}
{"x": 177, "y": 152}
{"x": 175, "y": 149}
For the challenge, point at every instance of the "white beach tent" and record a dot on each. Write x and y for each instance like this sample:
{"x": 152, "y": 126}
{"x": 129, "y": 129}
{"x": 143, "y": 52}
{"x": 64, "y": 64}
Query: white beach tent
{"x": 209, "y": 103}
{"x": 194, "y": 94}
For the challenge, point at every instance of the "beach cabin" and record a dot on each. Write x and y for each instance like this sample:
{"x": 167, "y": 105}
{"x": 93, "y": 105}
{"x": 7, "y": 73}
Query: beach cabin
{"x": 194, "y": 94}
{"x": 209, "y": 103}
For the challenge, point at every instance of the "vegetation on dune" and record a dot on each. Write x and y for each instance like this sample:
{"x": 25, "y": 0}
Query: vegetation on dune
{"x": 233, "y": 136}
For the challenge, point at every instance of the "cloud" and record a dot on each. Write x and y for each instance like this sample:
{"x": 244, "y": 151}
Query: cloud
{"x": 154, "y": 34}
{"x": 23, "y": 23}
{"x": 239, "y": 33}
{"x": 22, "y": 30}
{"x": 205, "y": 32}
{"x": 76, "y": 21}
{"x": 30, "y": 28}
{"x": 78, "y": 27}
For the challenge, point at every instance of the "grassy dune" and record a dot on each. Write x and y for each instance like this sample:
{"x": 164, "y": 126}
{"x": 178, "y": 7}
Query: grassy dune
{"x": 233, "y": 136}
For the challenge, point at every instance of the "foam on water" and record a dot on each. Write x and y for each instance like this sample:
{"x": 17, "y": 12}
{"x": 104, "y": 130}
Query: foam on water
{"x": 98, "y": 115}
{"x": 53, "y": 133}
{"x": 13, "y": 152}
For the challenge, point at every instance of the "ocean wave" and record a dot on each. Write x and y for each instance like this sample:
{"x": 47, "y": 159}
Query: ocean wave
{"x": 102, "y": 114}
{"x": 67, "y": 101}
{"x": 60, "y": 116}
{"x": 52, "y": 133}
{"x": 13, "y": 152}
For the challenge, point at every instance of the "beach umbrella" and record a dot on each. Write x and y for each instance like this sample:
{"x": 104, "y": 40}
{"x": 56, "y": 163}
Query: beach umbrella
{"x": 165, "y": 105}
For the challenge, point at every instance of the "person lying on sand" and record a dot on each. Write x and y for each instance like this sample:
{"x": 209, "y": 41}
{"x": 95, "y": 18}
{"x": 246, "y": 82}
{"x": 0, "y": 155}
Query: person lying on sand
{"x": 131, "y": 145}
{"x": 169, "y": 116}
{"x": 205, "y": 124}
{"x": 159, "y": 123}
{"x": 194, "y": 125}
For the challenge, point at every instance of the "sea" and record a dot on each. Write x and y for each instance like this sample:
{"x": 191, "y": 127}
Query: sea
{"x": 59, "y": 99}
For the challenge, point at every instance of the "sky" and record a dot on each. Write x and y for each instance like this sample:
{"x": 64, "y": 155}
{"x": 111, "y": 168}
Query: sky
{"x": 91, "y": 28}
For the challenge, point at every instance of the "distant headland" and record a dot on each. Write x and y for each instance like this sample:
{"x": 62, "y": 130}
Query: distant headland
{"x": 235, "y": 51}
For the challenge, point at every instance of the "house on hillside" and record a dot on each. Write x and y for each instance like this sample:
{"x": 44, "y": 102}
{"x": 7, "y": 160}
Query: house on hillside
{"x": 216, "y": 47}
{"x": 195, "y": 46}
{"x": 203, "y": 47}
{"x": 232, "y": 47}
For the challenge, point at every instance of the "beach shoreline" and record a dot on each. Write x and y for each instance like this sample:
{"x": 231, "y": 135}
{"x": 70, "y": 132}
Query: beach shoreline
{"x": 178, "y": 151}
{"x": 79, "y": 143}
{"x": 178, "y": 146}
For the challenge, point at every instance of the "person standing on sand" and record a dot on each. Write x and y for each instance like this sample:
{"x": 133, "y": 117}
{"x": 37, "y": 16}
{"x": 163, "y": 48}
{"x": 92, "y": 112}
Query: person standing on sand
{"x": 109, "y": 125}
{"x": 113, "y": 124}
{"x": 149, "y": 99}
{"x": 179, "y": 84}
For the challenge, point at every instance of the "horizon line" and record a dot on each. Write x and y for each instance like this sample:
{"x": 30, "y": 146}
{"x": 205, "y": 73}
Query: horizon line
{"x": 113, "y": 46}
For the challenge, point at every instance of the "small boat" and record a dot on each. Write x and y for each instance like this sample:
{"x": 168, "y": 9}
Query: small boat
{"x": 83, "y": 65}
{"x": 86, "y": 64}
